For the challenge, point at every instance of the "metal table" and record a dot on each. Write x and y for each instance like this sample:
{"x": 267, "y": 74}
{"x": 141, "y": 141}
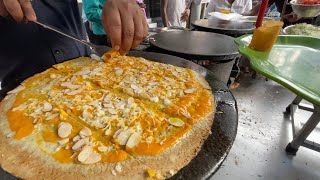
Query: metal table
{"x": 224, "y": 129}
{"x": 231, "y": 28}
{"x": 219, "y": 50}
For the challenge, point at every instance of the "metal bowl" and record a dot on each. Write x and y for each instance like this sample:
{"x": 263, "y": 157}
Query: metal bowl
{"x": 306, "y": 11}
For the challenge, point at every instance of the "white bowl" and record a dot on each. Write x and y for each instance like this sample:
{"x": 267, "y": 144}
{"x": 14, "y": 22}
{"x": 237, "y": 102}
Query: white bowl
{"x": 306, "y": 11}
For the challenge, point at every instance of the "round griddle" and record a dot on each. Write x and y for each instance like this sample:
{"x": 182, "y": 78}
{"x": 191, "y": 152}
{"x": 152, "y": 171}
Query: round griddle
{"x": 196, "y": 45}
{"x": 233, "y": 28}
{"x": 224, "y": 129}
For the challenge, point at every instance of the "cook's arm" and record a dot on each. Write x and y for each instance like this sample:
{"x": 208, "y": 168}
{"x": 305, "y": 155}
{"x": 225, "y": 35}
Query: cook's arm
{"x": 254, "y": 11}
{"x": 164, "y": 5}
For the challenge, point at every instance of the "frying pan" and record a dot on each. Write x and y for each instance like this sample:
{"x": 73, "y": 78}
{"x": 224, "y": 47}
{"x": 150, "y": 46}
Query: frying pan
{"x": 224, "y": 129}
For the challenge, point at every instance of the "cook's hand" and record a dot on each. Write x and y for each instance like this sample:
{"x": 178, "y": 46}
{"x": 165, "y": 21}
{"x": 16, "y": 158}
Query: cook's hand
{"x": 124, "y": 23}
{"x": 185, "y": 15}
{"x": 18, "y": 9}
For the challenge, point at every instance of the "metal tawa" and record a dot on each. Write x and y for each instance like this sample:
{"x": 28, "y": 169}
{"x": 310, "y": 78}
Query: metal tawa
{"x": 224, "y": 129}
{"x": 232, "y": 28}
{"x": 196, "y": 45}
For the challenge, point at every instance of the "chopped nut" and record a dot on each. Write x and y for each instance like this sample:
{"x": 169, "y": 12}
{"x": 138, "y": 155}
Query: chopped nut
{"x": 86, "y": 132}
{"x": 53, "y": 76}
{"x": 22, "y": 106}
{"x": 64, "y": 129}
{"x": 72, "y": 93}
{"x": 133, "y": 86}
{"x": 52, "y": 116}
{"x": 133, "y": 140}
{"x": 189, "y": 91}
{"x": 47, "y": 107}
{"x": 176, "y": 122}
{"x": 63, "y": 142}
{"x": 166, "y": 102}
{"x": 93, "y": 158}
{"x": 118, "y": 71}
{"x": 86, "y": 115}
{"x": 154, "y": 99}
{"x": 83, "y": 72}
{"x": 152, "y": 83}
{"x": 112, "y": 111}
{"x": 36, "y": 120}
{"x": 80, "y": 143}
{"x": 123, "y": 137}
{"x": 108, "y": 132}
{"x": 103, "y": 148}
{"x": 76, "y": 138}
{"x": 85, "y": 153}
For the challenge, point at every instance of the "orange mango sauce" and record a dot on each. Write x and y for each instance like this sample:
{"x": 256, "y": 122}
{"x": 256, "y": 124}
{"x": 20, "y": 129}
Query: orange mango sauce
{"x": 156, "y": 148}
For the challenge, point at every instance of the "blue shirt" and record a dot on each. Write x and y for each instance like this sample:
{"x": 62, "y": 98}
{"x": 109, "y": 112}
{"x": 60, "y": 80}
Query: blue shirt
{"x": 93, "y": 11}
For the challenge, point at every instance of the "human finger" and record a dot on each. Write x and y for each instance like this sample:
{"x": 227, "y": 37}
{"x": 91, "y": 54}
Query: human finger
{"x": 28, "y": 10}
{"x": 112, "y": 25}
{"x": 14, "y": 9}
{"x": 139, "y": 33}
{"x": 127, "y": 31}
{"x": 3, "y": 10}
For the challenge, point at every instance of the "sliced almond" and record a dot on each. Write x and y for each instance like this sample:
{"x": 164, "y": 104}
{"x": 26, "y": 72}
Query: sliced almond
{"x": 76, "y": 138}
{"x": 154, "y": 99}
{"x": 123, "y": 137}
{"x": 134, "y": 140}
{"x": 118, "y": 71}
{"x": 47, "y": 107}
{"x": 17, "y": 89}
{"x": 64, "y": 129}
{"x": 112, "y": 111}
{"x": 36, "y": 120}
{"x": 176, "y": 122}
{"x": 103, "y": 148}
{"x": 63, "y": 142}
{"x": 86, "y": 115}
{"x": 22, "y": 106}
{"x": 166, "y": 102}
{"x": 69, "y": 85}
{"x": 130, "y": 100}
{"x": 133, "y": 86}
{"x": 108, "y": 132}
{"x": 83, "y": 72}
{"x": 113, "y": 172}
{"x": 86, "y": 132}
{"x": 189, "y": 91}
{"x": 152, "y": 83}
{"x": 80, "y": 143}
{"x": 85, "y": 153}
{"x": 52, "y": 116}
{"x": 98, "y": 125}
{"x": 93, "y": 158}
{"x": 75, "y": 92}
{"x": 53, "y": 76}
{"x": 117, "y": 132}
